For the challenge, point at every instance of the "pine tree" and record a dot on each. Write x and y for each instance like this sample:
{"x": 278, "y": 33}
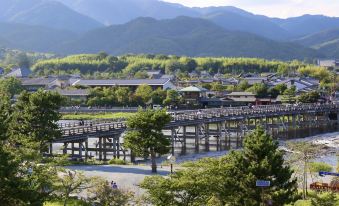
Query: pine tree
{"x": 261, "y": 160}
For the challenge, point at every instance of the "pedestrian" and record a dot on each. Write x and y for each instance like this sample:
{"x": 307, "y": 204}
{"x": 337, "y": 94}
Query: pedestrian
{"x": 115, "y": 186}
{"x": 112, "y": 184}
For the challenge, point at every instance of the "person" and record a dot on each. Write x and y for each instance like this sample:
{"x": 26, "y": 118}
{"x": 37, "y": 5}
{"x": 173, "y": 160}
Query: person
{"x": 112, "y": 184}
{"x": 115, "y": 186}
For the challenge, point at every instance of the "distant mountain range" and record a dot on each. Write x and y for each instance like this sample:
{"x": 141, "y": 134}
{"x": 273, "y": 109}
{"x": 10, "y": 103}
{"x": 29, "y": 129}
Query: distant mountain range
{"x": 83, "y": 26}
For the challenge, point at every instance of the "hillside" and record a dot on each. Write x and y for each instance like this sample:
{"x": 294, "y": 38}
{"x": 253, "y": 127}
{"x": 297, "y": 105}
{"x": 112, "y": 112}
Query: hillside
{"x": 182, "y": 36}
{"x": 112, "y": 12}
{"x": 316, "y": 40}
{"x": 45, "y": 13}
{"x": 31, "y": 38}
{"x": 238, "y": 20}
{"x": 308, "y": 24}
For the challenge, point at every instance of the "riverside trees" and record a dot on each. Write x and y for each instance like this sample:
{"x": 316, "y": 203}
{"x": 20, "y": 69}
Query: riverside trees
{"x": 145, "y": 137}
{"x": 230, "y": 180}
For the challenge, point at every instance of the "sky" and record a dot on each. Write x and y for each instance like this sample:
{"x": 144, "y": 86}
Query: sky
{"x": 272, "y": 8}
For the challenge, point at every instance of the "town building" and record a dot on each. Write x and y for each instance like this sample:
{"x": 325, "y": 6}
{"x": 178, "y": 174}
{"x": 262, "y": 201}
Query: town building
{"x": 133, "y": 84}
{"x": 34, "y": 84}
{"x": 193, "y": 94}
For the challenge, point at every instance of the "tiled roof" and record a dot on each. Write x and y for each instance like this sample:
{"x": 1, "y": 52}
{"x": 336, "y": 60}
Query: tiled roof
{"x": 193, "y": 89}
{"x": 241, "y": 94}
{"x": 37, "y": 81}
{"x": 121, "y": 82}
{"x": 19, "y": 72}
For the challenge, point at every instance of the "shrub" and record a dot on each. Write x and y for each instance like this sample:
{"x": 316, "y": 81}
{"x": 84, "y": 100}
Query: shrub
{"x": 117, "y": 162}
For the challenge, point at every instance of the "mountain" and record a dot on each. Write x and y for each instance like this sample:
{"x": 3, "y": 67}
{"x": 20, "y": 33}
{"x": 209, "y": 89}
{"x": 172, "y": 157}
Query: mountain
{"x": 45, "y": 13}
{"x": 182, "y": 36}
{"x": 33, "y": 38}
{"x": 232, "y": 18}
{"x": 112, "y": 12}
{"x": 326, "y": 41}
{"x": 307, "y": 24}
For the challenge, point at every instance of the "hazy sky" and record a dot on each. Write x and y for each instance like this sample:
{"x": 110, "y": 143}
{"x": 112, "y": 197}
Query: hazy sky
{"x": 276, "y": 8}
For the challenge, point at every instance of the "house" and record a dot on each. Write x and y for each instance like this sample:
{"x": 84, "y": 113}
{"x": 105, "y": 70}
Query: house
{"x": 19, "y": 73}
{"x": 241, "y": 98}
{"x": 193, "y": 94}
{"x": 255, "y": 80}
{"x": 301, "y": 84}
{"x": 130, "y": 83}
{"x": 328, "y": 63}
{"x": 34, "y": 84}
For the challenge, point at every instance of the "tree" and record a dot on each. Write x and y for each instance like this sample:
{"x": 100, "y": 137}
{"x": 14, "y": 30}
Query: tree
{"x": 144, "y": 93}
{"x": 10, "y": 86}
{"x": 35, "y": 119}
{"x": 145, "y": 135}
{"x": 71, "y": 182}
{"x": 325, "y": 199}
{"x": 217, "y": 87}
{"x": 261, "y": 160}
{"x": 122, "y": 94}
{"x": 172, "y": 98}
{"x": 289, "y": 95}
{"x": 158, "y": 96}
{"x": 103, "y": 194}
{"x": 259, "y": 89}
{"x": 303, "y": 153}
{"x": 230, "y": 180}
{"x": 309, "y": 97}
{"x": 243, "y": 85}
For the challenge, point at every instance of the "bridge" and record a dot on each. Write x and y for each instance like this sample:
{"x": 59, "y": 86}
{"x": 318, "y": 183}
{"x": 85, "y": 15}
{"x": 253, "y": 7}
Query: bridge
{"x": 202, "y": 130}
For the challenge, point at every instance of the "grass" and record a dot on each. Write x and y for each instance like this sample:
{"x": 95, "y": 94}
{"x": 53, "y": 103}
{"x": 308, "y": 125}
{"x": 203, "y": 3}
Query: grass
{"x": 118, "y": 115}
{"x": 69, "y": 203}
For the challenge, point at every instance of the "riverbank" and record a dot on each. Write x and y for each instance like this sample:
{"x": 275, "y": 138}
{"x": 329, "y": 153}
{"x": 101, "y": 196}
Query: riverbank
{"x": 93, "y": 116}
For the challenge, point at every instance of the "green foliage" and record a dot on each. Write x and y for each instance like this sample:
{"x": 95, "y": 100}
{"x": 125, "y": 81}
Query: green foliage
{"x": 325, "y": 199}
{"x": 117, "y": 162}
{"x": 259, "y": 89}
{"x": 289, "y": 95}
{"x": 316, "y": 167}
{"x": 309, "y": 97}
{"x": 145, "y": 136}
{"x": 35, "y": 119}
{"x": 103, "y": 195}
{"x": 131, "y": 65}
{"x": 144, "y": 93}
{"x": 10, "y": 86}
{"x": 229, "y": 180}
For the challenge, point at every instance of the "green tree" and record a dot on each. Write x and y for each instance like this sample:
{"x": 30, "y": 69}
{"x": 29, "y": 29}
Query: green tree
{"x": 145, "y": 135}
{"x": 172, "y": 98}
{"x": 123, "y": 95}
{"x": 243, "y": 85}
{"x": 325, "y": 199}
{"x": 289, "y": 95}
{"x": 10, "y": 86}
{"x": 158, "y": 96}
{"x": 309, "y": 97}
{"x": 259, "y": 89}
{"x": 103, "y": 194}
{"x": 144, "y": 93}
{"x": 230, "y": 180}
{"x": 35, "y": 119}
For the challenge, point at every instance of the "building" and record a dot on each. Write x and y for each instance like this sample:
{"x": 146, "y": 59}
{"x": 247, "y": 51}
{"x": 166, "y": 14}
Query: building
{"x": 19, "y": 73}
{"x": 133, "y": 84}
{"x": 193, "y": 94}
{"x": 154, "y": 74}
{"x": 255, "y": 80}
{"x": 328, "y": 63}
{"x": 34, "y": 84}
{"x": 301, "y": 84}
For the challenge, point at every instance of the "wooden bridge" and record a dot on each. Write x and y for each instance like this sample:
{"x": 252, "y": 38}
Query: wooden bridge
{"x": 203, "y": 130}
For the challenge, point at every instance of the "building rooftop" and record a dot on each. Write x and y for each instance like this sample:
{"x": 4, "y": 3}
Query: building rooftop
{"x": 37, "y": 81}
{"x": 75, "y": 92}
{"x": 121, "y": 82}
{"x": 193, "y": 89}
{"x": 241, "y": 94}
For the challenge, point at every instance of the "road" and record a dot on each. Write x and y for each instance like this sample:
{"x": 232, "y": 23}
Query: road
{"x": 127, "y": 177}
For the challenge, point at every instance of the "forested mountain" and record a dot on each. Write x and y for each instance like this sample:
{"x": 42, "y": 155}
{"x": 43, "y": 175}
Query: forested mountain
{"x": 307, "y": 24}
{"x": 182, "y": 36}
{"x": 45, "y": 13}
{"x": 122, "y": 11}
{"x": 32, "y": 38}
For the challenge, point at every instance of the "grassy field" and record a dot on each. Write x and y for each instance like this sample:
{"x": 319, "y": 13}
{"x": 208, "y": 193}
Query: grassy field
{"x": 96, "y": 116}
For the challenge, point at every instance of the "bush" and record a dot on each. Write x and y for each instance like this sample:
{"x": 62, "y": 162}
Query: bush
{"x": 117, "y": 162}
{"x": 320, "y": 166}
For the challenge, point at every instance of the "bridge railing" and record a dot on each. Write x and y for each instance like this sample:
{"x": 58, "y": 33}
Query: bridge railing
{"x": 93, "y": 129}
